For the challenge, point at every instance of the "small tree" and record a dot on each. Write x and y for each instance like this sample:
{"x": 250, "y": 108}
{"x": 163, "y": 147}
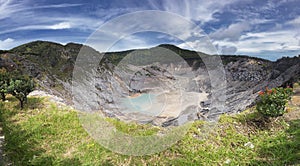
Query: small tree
{"x": 20, "y": 87}
{"x": 4, "y": 82}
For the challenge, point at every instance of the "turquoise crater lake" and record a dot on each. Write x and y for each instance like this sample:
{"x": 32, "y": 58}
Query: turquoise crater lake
{"x": 146, "y": 103}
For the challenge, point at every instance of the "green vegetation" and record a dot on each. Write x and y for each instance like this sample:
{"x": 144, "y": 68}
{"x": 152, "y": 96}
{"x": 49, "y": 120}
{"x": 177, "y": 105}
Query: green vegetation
{"x": 20, "y": 87}
{"x": 148, "y": 56}
{"x": 15, "y": 84}
{"x": 50, "y": 59}
{"x": 273, "y": 101}
{"x": 45, "y": 134}
{"x": 4, "y": 82}
{"x": 133, "y": 128}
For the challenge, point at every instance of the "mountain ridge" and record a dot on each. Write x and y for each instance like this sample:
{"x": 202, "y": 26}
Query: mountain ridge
{"x": 169, "y": 46}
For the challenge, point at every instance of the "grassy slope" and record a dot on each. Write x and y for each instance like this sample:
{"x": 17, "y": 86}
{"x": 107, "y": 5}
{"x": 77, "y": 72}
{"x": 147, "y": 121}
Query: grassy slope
{"x": 44, "y": 134}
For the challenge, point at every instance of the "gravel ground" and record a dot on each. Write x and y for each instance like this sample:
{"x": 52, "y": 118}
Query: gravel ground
{"x": 59, "y": 101}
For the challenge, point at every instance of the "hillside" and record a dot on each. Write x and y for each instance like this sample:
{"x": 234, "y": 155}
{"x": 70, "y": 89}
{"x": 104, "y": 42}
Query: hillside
{"x": 52, "y": 65}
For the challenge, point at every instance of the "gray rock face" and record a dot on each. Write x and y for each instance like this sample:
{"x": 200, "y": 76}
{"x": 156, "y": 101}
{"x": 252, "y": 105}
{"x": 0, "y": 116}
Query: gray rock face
{"x": 174, "y": 94}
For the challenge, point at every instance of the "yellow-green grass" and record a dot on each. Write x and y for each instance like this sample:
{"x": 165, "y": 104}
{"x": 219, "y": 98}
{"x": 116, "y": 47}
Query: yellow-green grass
{"x": 45, "y": 134}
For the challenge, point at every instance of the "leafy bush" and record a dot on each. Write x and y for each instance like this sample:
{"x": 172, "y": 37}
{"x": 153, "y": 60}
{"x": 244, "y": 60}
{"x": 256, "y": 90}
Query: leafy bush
{"x": 16, "y": 84}
{"x": 273, "y": 101}
{"x": 4, "y": 82}
{"x": 20, "y": 87}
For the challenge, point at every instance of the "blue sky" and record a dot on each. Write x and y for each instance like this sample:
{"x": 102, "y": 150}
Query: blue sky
{"x": 261, "y": 28}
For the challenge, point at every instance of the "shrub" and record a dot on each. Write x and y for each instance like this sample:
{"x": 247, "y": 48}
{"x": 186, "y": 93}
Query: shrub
{"x": 273, "y": 101}
{"x": 4, "y": 82}
{"x": 20, "y": 87}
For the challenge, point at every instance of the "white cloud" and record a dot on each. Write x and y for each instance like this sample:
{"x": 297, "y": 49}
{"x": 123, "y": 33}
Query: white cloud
{"x": 295, "y": 22}
{"x": 64, "y": 5}
{"x": 20, "y": 12}
{"x": 276, "y": 41}
{"x": 62, "y": 25}
{"x": 7, "y": 44}
{"x": 200, "y": 10}
{"x": 42, "y": 23}
{"x": 232, "y": 33}
{"x": 239, "y": 38}
{"x": 201, "y": 44}
{"x": 130, "y": 42}
{"x": 78, "y": 22}
{"x": 8, "y": 8}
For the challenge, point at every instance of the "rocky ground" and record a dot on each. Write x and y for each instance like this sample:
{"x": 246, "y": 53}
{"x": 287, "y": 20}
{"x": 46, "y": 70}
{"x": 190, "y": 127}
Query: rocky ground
{"x": 52, "y": 98}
